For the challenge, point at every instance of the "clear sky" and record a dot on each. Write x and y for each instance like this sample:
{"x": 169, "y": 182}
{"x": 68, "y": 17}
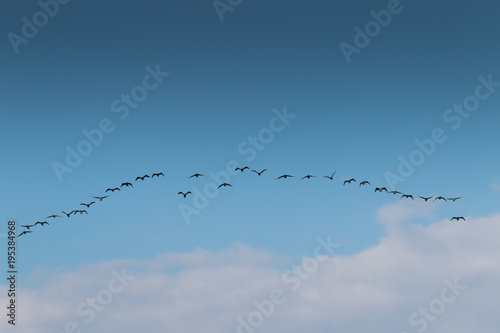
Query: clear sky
{"x": 402, "y": 94}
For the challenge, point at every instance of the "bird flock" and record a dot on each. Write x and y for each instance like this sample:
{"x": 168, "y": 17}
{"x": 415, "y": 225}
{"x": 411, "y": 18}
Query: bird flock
{"x": 258, "y": 173}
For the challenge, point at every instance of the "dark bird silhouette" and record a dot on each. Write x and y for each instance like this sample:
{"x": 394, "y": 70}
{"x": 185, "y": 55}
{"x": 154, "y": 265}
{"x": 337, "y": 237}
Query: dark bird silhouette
{"x": 439, "y": 198}
{"x": 308, "y": 177}
{"x": 142, "y": 178}
{"x": 331, "y": 177}
{"x": 364, "y": 182}
{"x": 41, "y": 223}
{"x": 395, "y": 192}
{"x": 458, "y": 218}
{"x": 81, "y": 211}
{"x": 157, "y": 174}
{"x": 100, "y": 198}
{"x": 196, "y": 175}
{"x": 53, "y": 216}
{"x": 426, "y": 198}
{"x": 407, "y": 196}
{"x": 284, "y": 176}
{"x": 349, "y": 181}
{"x": 24, "y": 233}
{"x": 67, "y": 214}
{"x": 113, "y": 189}
{"x": 241, "y": 169}
{"x": 380, "y": 189}
{"x": 259, "y": 173}
{"x": 224, "y": 185}
{"x": 184, "y": 194}
{"x": 88, "y": 205}
{"x": 126, "y": 184}
{"x": 453, "y": 199}
{"x": 28, "y": 226}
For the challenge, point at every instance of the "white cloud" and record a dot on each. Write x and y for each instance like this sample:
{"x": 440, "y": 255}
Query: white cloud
{"x": 375, "y": 290}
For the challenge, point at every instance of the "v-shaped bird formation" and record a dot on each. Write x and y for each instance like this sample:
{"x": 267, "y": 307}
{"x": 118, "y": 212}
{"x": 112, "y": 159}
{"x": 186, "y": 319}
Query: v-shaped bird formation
{"x": 363, "y": 183}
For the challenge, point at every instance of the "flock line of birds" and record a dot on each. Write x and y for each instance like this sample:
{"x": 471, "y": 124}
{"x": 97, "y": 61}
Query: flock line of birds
{"x": 197, "y": 175}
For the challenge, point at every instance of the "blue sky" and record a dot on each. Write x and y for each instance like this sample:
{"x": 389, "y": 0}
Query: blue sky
{"x": 227, "y": 81}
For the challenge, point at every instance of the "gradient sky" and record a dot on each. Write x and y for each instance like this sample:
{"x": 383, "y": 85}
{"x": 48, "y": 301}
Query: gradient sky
{"x": 227, "y": 79}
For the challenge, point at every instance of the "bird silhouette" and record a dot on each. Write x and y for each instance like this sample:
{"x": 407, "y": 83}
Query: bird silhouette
{"x": 184, "y": 194}
{"x": 196, "y": 175}
{"x": 458, "y": 218}
{"x": 331, "y": 177}
{"x": 28, "y": 226}
{"x": 439, "y": 198}
{"x": 259, "y": 173}
{"x": 113, "y": 189}
{"x": 41, "y": 223}
{"x": 81, "y": 211}
{"x": 364, "y": 182}
{"x": 453, "y": 199}
{"x": 67, "y": 214}
{"x": 284, "y": 176}
{"x": 349, "y": 181}
{"x": 53, "y": 216}
{"x": 24, "y": 233}
{"x": 394, "y": 192}
{"x": 407, "y": 196}
{"x": 308, "y": 177}
{"x": 241, "y": 169}
{"x": 100, "y": 198}
{"x": 157, "y": 174}
{"x": 380, "y": 189}
{"x": 126, "y": 184}
{"x": 142, "y": 178}
{"x": 88, "y": 205}
{"x": 426, "y": 198}
{"x": 224, "y": 185}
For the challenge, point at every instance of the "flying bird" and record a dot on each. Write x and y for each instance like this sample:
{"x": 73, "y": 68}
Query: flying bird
{"x": 380, "y": 189}
{"x": 41, "y": 223}
{"x": 331, "y": 177}
{"x": 113, "y": 189}
{"x": 100, "y": 198}
{"x": 81, "y": 211}
{"x": 28, "y": 226}
{"x": 67, "y": 214}
{"x": 349, "y": 181}
{"x": 88, "y": 205}
{"x": 157, "y": 174}
{"x": 184, "y": 194}
{"x": 284, "y": 176}
{"x": 196, "y": 175}
{"x": 426, "y": 198}
{"x": 53, "y": 216}
{"x": 142, "y": 178}
{"x": 224, "y": 185}
{"x": 439, "y": 198}
{"x": 458, "y": 218}
{"x": 259, "y": 173}
{"x": 453, "y": 199}
{"x": 407, "y": 196}
{"x": 308, "y": 177}
{"x": 364, "y": 182}
{"x": 241, "y": 169}
{"x": 24, "y": 232}
{"x": 394, "y": 192}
